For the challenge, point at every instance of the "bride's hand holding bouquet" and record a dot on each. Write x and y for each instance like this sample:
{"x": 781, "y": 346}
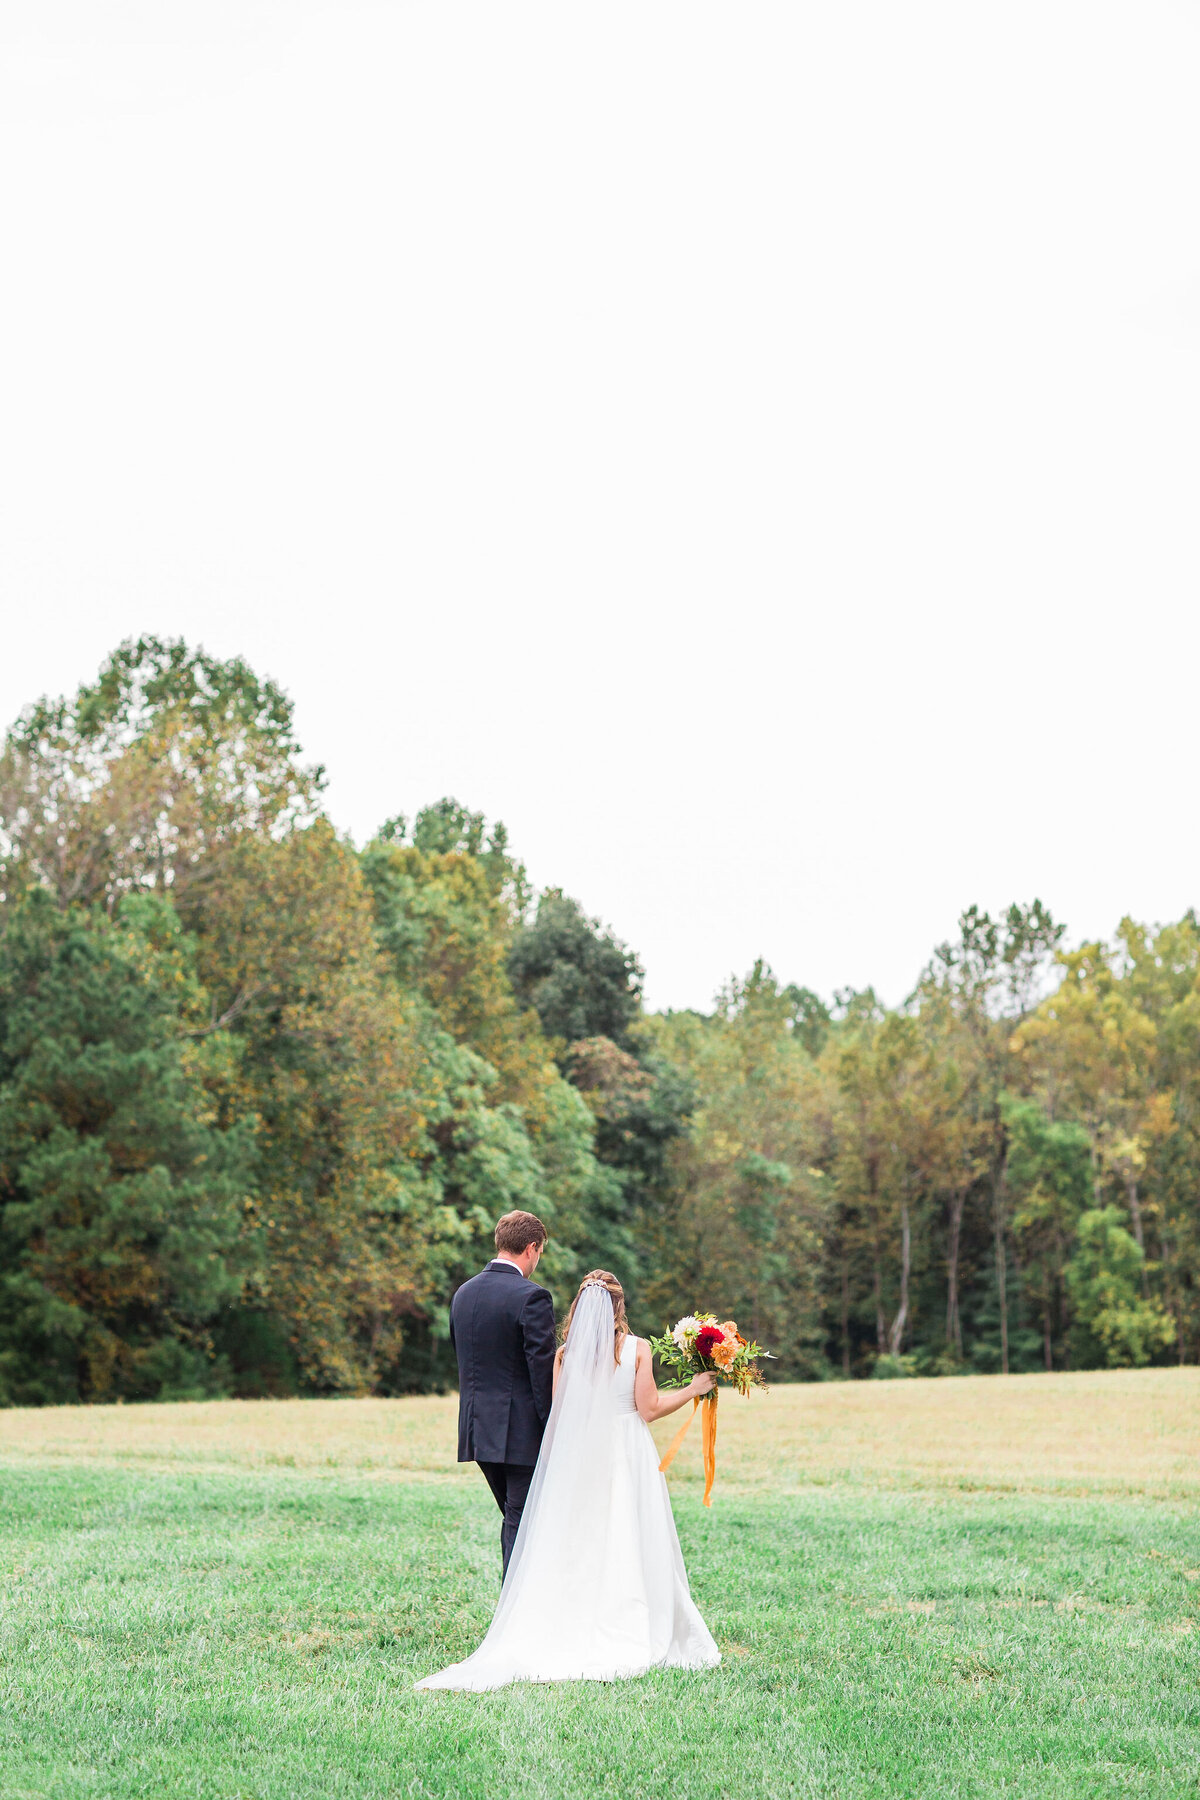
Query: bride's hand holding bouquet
{"x": 699, "y": 1346}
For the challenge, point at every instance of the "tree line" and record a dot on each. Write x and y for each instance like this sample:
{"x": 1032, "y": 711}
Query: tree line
{"x": 263, "y": 1095}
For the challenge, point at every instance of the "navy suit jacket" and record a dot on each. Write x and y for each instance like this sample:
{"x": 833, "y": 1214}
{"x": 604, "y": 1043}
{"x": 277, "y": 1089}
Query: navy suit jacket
{"x": 502, "y": 1330}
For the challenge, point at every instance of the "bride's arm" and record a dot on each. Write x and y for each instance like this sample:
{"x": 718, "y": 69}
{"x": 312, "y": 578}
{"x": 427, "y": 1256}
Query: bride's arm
{"x": 649, "y": 1402}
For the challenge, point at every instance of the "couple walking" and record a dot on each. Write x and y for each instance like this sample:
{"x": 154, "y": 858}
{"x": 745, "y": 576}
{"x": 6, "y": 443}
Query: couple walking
{"x": 594, "y": 1586}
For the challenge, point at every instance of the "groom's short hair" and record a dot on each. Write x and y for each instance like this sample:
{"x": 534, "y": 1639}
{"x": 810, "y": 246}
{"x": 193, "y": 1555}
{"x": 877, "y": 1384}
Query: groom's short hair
{"x": 517, "y": 1230}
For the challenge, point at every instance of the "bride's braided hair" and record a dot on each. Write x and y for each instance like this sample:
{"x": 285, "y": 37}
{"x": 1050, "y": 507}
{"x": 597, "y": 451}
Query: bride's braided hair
{"x": 616, "y": 1293}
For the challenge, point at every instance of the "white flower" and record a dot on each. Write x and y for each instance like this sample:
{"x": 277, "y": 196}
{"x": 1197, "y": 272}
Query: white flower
{"x": 686, "y": 1328}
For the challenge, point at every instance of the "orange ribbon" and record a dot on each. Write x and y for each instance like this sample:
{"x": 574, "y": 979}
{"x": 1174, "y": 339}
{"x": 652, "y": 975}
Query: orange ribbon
{"x": 708, "y": 1441}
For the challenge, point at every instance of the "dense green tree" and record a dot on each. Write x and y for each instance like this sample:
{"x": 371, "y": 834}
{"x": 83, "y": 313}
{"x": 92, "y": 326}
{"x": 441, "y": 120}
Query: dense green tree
{"x": 1113, "y": 1321}
{"x": 1050, "y": 1180}
{"x": 445, "y": 911}
{"x": 334, "y": 1065}
{"x": 580, "y": 980}
{"x": 641, "y": 1104}
{"x": 880, "y": 1166}
{"x": 743, "y": 1234}
{"x": 586, "y": 988}
{"x": 449, "y": 906}
{"x": 974, "y": 994}
{"x": 125, "y": 1170}
{"x": 1161, "y": 967}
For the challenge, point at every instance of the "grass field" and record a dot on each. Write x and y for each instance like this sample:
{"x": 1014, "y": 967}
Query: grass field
{"x": 952, "y": 1588}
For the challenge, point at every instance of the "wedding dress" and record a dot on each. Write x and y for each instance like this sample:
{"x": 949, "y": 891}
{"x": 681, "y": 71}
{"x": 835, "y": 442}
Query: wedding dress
{"x": 596, "y": 1588}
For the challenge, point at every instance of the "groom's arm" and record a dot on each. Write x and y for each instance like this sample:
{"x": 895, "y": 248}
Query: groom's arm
{"x": 537, "y": 1330}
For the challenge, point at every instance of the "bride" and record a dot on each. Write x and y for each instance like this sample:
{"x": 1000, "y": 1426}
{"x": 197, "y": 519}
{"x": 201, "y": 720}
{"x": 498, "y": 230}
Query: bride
{"x": 596, "y": 1588}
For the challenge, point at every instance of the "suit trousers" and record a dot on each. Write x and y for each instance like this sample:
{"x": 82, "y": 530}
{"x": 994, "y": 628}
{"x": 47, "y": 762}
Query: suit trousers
{"x": 509, "y": 1483}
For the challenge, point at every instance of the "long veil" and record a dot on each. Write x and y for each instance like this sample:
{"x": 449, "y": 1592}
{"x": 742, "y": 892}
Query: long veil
{"x": 568, "y": 1505}
{"x": 551, "y": 1618}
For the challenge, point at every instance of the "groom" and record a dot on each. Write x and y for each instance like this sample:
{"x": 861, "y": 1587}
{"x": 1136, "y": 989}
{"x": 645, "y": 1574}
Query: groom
{"x": 502, "y": 1330}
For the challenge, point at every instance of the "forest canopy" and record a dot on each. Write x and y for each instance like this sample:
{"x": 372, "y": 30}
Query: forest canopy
{"x": 264, "y": 1094}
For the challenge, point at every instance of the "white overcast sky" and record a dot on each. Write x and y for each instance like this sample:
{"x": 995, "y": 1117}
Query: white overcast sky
{"x": 752, "y": 450}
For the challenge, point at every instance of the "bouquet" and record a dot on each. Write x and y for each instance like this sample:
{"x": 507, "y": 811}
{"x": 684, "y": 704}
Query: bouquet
{"x": 699, "y": 1344}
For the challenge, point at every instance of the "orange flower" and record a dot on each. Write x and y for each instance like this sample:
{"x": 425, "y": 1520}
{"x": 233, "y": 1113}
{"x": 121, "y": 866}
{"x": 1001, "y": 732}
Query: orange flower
{"x": 724, "y": 1353}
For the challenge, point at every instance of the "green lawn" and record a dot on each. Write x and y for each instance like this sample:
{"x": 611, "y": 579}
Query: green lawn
{"x": 257, "y": 1633}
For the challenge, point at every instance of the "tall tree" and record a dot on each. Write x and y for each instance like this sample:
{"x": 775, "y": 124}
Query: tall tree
{"x": 1162, "y": 969}
{"x": 744, "y": 1232}
{"x": 988, "y": 983}
{"x": 880, "y": 1183}
{"x": 126, "y": 1166}
{"x": 582, "y": 982}
{"x": 147, "y": 777}
{"x": 333, "y": 1063}
{"x": 1049, "y": 1176}
{"x": 446, "y": 906}
{"x": 1111, "y": 1315}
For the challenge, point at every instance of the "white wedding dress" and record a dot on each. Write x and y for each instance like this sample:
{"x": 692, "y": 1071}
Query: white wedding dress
{"x": 596, "y": 1588}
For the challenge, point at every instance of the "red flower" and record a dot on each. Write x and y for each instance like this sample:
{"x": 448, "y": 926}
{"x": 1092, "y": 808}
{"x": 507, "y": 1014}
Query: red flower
{"x": 707, "y": 1339}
